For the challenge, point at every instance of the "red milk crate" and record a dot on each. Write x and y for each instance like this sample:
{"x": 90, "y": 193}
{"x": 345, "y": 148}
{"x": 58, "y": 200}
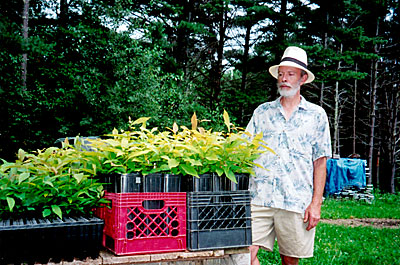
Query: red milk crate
{"x": 141, "y": 223}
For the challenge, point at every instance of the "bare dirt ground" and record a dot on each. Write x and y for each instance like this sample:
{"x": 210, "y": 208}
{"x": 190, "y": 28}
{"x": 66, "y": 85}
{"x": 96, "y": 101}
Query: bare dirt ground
{"x": 375, "y": 222}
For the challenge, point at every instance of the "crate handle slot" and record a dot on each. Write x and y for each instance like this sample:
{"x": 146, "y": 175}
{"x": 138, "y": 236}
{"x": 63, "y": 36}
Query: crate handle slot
{"x": 153, "y": 204}
{"x": 221, "y": 199}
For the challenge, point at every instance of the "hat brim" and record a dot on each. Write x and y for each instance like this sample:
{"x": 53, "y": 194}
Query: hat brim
{"x": 273, "y": 70}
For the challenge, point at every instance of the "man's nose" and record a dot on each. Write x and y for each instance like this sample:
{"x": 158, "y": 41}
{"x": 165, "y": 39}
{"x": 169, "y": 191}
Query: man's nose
{"x": 283, "y": 77}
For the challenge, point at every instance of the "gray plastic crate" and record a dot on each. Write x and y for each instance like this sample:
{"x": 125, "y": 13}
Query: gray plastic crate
{"x": 218, "y": 220}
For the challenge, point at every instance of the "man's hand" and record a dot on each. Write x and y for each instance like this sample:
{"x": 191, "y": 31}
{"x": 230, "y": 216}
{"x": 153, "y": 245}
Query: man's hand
{"x": 313, "y": 211}
{"x": 312, "y": 215}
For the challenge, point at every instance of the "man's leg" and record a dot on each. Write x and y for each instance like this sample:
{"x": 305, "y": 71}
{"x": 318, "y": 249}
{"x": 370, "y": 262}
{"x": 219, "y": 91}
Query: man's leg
{"x": 294, "y": 240}
{"x": 289, "y": 260}
{"x": 253, "y": 255}
{"x": 262, "y": 230}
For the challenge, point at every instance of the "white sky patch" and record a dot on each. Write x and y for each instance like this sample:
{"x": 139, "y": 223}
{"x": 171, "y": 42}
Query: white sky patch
{"x": 311, "y": 6}
{"x": 389, "y": 16}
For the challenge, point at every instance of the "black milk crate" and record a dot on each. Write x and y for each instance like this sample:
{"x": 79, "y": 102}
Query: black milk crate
{"x": 218, "y": 220}
{"x": 30, "y": 240}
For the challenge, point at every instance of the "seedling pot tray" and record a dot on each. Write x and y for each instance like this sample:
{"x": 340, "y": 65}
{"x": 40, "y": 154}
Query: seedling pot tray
{"x": 136, "y": 182}
{"x": 213, "y": 182}
{"x": 43, "y": 240}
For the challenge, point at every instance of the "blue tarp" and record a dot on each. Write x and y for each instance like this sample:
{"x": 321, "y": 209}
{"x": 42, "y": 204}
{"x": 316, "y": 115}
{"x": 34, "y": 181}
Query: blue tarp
{"x": 344, "y": 172}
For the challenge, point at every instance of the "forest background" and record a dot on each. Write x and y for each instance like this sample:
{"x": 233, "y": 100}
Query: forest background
{"x": 83, "y": 67}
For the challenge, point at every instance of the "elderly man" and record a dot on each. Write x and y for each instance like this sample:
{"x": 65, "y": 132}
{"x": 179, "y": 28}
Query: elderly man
{"x": 287, "y": 193}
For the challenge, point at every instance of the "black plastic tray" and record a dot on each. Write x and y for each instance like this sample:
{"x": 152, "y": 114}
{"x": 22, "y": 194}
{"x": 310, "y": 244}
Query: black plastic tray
{"x": 43, "y": 240}
{"x": 213, "y": 182}
{"x": 136, "y": 182}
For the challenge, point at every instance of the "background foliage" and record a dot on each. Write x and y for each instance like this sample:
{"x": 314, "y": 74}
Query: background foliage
{"x": 92, "y": 64}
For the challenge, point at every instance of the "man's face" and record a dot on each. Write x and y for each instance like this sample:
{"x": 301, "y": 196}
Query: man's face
{"x": 289, "y": 81}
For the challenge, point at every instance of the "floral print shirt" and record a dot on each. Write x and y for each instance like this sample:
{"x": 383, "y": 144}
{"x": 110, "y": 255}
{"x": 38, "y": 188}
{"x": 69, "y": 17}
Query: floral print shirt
{"x": 286, "y": 182}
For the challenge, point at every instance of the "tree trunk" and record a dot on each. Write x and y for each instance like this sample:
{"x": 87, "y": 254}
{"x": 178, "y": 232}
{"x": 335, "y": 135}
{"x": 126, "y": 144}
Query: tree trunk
{"x": 321, "y": 97}
{"x": 282, "y": 21}
{"x": 355, "y": 114}
{"x": 24, "y": 64}
{"x": 244, "y": 70}
{"x": 220, "y": 54}
{"x": 336, "y": 117}
{"x": 245, "y": 57}
{"x": 63, "y": 12}
{"x": 393, "y": 151}
{"x": 372, "y": 115}
{"x": 374, "y": 85}
{"x": 394, "y": 136}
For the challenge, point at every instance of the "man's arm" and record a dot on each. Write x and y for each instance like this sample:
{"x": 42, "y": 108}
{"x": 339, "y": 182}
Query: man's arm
{"x": 313, "y": 211}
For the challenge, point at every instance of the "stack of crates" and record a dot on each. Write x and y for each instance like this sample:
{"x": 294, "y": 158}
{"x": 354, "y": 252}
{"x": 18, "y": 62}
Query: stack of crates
{"x": 146, "y": 214}
{"x": 162, "y": 213}
{"x": 218, "y": 212}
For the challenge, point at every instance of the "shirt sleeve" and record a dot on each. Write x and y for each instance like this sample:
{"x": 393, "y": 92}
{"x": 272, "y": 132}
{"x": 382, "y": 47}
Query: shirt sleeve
{"x": 322, "y": 145}
{"x": 251, "y": 126}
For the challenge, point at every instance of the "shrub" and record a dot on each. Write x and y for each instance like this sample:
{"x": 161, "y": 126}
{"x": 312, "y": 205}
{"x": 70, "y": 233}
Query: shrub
{"x": 54, "y": 182}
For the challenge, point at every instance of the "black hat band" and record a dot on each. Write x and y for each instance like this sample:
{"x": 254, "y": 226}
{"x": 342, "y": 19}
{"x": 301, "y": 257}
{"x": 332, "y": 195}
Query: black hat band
{"x": 290, "y": 59}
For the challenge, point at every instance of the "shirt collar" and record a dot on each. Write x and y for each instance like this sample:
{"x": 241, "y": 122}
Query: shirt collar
{"x": 303, "y": 102}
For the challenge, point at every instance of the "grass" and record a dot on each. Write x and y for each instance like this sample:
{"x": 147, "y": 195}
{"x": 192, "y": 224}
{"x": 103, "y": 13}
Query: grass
{"x": 340, "y": 245}
{"x": 384, "y": 206}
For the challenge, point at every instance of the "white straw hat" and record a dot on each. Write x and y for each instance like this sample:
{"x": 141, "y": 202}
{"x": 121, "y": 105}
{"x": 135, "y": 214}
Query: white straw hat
{"x": 294, "y": 57}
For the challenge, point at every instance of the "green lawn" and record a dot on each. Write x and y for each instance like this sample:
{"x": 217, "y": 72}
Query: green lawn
{"x": 339, "y": 245}
{"x": 384, "y": 206}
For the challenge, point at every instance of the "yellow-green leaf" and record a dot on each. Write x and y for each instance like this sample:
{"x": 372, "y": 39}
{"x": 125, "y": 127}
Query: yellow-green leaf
{"x": 21, "y": 154}
{"x": 142, "y": 121}
{"x": 193, "y": 161}
{"x": 194, "y": 122}
{"x": 22, "y": 177}
{"x": 229, "y": 174}
{"x": 11, "y": 203}
{"x": 124, "y": 143}
{"x": 227, "y": 120}
{"x": 189, "y": 170}
{"x": 173, "y": 163}
{"x": 78, "y": 177}
{"x": 219, "y": 171}
{"x": 48, "y": 183}
{"x": 57, "y": 210}
{"x": 212, "y": 157}
{"x": 134, "y": 154}
{"x": 175, "y": 128}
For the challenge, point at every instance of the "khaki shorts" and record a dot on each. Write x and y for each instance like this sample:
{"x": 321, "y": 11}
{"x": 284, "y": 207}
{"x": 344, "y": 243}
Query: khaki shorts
{"x": 287, "y": 227}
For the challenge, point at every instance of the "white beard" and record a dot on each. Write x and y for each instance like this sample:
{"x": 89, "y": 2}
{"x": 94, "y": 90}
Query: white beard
{"x": 290, "y": 92}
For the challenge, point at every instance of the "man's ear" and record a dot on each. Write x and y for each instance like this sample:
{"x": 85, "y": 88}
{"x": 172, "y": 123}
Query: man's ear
{"x": 304, "y": 78}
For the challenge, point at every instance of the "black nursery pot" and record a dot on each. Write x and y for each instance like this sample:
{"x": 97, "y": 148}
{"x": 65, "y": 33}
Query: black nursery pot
{"x": 205, "y": 182}
{"x": 121, "y": 183}
{"x": 40, "y": 240}
{"x": 213, "y": 182}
